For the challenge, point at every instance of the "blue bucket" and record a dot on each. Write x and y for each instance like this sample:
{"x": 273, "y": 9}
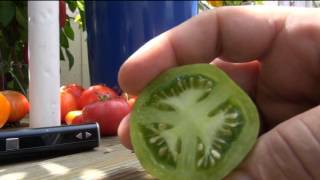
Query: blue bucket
{"x": 116, "y": 29}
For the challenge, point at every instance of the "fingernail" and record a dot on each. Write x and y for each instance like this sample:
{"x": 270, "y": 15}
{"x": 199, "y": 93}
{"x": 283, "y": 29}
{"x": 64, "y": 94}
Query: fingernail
{"x": 239, "y": 175}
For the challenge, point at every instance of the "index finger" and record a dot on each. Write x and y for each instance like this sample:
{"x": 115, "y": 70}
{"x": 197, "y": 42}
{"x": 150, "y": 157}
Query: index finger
{"x": 238, "y": 34}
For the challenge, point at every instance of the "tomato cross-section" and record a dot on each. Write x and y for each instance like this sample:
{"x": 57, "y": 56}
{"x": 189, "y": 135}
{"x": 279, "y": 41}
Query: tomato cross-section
{"x": 193, "y": 122}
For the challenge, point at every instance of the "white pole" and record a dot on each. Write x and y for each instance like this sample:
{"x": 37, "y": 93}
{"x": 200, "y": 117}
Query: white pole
{"x": 44, "y": 68}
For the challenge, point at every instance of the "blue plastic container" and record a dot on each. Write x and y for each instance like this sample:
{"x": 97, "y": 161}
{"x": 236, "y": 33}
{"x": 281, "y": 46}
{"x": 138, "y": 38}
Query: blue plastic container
{"x": 118, "y": 28}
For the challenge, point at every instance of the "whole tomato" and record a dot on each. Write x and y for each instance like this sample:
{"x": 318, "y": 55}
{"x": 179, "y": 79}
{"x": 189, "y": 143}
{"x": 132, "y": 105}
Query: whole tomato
{"x": 62, "y": 13}
{"x": 67, "y": 103}
{"x": 107, "y": 113}
{"x": 96, "y": 93}
{"x": 74, "y": 117}
{"x": 5, "y": 109}
{"x": 19, "y": 105}
{"x": 75, "y": 89}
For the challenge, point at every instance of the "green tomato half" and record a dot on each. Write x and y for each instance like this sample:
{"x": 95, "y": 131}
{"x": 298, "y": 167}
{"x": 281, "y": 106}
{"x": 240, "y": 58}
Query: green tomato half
{"x": 193, "y": 123}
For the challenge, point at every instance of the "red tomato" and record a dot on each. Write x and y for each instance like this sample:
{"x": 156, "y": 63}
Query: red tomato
{"x": 19, "y": 105}
{"x": 108, "y": 114}
{"x": 74, "y": 117}
{"x": 75, "y": 89}
{"x": 67, "y": 103}
{"x": 5, "y": 110}
{"x": 62, "y": 13}
{"x": 96, "y": 93}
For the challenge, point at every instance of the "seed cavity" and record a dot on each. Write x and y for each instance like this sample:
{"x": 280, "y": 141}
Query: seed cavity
{"x": 160, "y": 144}
{"x": 162, "y": 126}
{"x": 215, "y": 154}
{"x": 178, "y": 86}
{"x": 154, "y": 139}
{"x": 209, "y": 84}
{"x": 165, "y": 107}
{"x": 163, "y": 151}
{"x": 207, "y": 155}
{"x": 208, "y": 159}
{"x": 225, "y": 122}
{"x": 226, "y": 132}
{"x": 200, "y": 147}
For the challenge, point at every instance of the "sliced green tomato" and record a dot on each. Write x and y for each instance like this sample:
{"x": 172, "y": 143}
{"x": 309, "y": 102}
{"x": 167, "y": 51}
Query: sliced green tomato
{"x": 192, "y": 123}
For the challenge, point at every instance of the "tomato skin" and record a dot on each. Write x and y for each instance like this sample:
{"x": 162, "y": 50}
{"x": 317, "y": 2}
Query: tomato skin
{"x": 19, "y": 105}
{"x": 95, "y": 93}
{"x": 67, "y": 103}
{"x": 108, "y": 114}
{"x": 131, "y": 101}
{"x": 75, "y": 89}
{"x": 74, "y": 118}
{"x": 5, "y": 109}
{"x": 62, "y": 13}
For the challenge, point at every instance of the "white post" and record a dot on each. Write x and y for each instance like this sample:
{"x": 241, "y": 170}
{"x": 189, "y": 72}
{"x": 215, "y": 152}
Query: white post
{"x": 44, "y": 67}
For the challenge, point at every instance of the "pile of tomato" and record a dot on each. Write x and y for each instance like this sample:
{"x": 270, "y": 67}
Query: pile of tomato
{"x": 97, "y": 103}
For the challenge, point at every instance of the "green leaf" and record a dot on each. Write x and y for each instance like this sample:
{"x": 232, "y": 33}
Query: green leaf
{"x": 77, "y": 18}
{"x": 23, "y": 34}
{"x": 10, "y": 35}
{"x": 7, "y": 12}
{"x": 232, "y": 3}
{"x": 21, "y": 17}
{"x": 80, "y": 5}
{"x": 258, "y": 2}
{"x": 10, "y": 84}
{"x": 83, "y": 20}
{"x": 72, "y": 5}
{"x": 62, "y": 55}
{"x": 70, "y": 58}
{"x": 4, "y": 49}
{"x": 68, "y": 31}
{"x": 63, "y": 40}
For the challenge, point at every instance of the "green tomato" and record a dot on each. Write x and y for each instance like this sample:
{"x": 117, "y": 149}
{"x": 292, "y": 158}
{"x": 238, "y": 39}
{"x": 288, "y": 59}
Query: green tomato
{"x": 193, "y": 123}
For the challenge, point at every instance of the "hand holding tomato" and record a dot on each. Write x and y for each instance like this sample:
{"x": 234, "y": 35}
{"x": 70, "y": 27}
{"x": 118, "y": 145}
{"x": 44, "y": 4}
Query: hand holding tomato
{"x": 284, "y": 82}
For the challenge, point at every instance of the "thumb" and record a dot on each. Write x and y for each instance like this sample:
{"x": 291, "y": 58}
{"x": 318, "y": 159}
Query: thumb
{"x": 289, "y": 151}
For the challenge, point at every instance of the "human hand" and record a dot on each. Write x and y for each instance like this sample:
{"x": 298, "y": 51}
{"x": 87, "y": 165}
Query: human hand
{"x": 283, "y": 81}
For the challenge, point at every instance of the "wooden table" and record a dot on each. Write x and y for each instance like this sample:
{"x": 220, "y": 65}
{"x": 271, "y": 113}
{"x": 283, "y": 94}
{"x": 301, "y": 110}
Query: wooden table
{"x": 108, "y": 161}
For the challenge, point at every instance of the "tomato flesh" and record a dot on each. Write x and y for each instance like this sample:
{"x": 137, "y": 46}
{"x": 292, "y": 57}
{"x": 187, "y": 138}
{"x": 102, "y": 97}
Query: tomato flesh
{"x": 193, "y": 122}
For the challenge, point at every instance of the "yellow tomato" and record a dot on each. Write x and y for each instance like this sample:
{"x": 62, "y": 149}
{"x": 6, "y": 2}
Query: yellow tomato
{"x": 4, "y": 110}
{"x": 216, "y": 3}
